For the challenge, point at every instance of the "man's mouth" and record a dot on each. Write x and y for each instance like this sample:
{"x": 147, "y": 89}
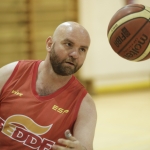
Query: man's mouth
{"x": 70, "y": 63}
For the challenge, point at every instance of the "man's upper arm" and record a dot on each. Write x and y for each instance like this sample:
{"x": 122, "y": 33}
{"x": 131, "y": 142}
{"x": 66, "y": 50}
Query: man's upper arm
{"x": 84, "y": 128}
{"x": 5, "y": 73}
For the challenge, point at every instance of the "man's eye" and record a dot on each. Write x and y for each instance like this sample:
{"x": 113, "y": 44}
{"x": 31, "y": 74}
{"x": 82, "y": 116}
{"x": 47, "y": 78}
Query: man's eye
{"x": 69, "y": 44}
{"x": 83, "y": 49}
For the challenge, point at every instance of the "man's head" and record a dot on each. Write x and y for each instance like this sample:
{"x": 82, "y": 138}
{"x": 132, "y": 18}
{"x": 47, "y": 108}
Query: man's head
{"x": 68, "y": 48}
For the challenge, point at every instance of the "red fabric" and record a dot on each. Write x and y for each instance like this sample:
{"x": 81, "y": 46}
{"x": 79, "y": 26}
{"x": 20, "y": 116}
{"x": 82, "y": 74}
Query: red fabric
{"x": 29, "y": 121}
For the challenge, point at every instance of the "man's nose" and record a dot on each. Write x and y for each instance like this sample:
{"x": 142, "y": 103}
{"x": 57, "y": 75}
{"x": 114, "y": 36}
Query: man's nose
{"x": 74, "y": 53}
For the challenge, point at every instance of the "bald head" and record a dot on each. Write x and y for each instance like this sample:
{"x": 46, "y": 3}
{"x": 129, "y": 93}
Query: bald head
{"x": 71, "y": 29}
{"x": 67, "y": 48}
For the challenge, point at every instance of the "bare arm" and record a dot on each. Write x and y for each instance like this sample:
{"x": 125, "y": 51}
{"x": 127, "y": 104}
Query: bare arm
{"x": 5, "y": 73}
{"x": 84, "y": 129}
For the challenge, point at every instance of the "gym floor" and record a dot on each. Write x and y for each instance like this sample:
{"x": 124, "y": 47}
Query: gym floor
{"x": 123, "y": 121}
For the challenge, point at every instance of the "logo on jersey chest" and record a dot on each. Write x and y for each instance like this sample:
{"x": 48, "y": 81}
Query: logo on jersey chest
{"x": 16, "y": 93}
{"x": 59, "y": 109}
{"x": 23, "y": 129}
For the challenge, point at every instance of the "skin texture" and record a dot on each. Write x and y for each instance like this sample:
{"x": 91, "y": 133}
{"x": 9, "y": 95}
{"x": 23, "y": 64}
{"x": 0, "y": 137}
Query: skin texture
{"x": 66, "y": 53}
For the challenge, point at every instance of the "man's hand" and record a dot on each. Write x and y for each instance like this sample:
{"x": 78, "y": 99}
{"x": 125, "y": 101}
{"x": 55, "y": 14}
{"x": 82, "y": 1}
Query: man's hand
{"x": 69, "y": 143}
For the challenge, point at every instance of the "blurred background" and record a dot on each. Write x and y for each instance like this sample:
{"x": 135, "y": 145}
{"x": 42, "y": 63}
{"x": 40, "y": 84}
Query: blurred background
{"x": 120, "y": 88}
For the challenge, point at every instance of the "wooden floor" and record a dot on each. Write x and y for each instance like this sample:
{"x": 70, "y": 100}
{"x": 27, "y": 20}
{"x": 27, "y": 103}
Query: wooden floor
{"x": 123, "y": 121}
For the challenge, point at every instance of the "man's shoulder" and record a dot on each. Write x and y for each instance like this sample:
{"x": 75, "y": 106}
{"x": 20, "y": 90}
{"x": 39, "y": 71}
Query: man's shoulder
{"x": 6, "y": 71}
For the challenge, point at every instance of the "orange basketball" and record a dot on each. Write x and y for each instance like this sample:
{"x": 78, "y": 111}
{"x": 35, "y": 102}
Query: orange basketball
{"x": 129, "y": 32}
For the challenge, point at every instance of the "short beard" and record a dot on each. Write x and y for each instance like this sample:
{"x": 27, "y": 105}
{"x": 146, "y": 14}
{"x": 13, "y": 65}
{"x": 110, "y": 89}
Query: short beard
{"x": 58, "y": 66}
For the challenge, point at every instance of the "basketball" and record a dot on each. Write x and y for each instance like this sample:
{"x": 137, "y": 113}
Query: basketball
{"x": 129, "y": 32}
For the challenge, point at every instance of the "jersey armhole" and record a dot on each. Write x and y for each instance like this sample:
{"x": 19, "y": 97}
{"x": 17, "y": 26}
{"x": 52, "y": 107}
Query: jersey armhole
{"x": 11, "y": 76}
{"x": 77, "y": 107}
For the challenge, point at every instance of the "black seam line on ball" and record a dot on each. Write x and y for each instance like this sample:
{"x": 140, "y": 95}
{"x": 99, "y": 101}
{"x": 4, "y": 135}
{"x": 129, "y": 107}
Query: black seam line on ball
{"x": 147, "y": 10}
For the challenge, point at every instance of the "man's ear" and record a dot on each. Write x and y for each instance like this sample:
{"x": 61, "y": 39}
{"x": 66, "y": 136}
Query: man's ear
{"x": 49, "y": 43}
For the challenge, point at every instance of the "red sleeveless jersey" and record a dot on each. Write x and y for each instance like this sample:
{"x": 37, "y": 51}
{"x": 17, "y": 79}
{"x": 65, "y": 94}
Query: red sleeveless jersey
{"x": 29, "y": 121}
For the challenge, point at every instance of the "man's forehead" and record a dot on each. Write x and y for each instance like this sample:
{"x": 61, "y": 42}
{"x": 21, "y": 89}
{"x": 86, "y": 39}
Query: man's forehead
{"x": 82, "y": 44}
{"x": 73, "y": 33}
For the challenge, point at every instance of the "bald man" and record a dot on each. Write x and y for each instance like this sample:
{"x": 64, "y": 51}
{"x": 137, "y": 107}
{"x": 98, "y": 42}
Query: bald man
{"x": 42, "y": 104}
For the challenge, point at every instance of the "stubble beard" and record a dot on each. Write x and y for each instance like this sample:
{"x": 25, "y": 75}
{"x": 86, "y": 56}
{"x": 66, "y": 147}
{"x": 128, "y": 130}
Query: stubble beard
{"x": 59, "y": 67}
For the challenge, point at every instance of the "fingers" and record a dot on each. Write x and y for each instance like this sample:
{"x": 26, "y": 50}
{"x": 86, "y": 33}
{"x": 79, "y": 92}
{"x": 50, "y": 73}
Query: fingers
{"x": 66, "y": 143}
{"x": 69, "y": 136}
{"x": 69, "y": 143}
{"x": 56, "y": 147}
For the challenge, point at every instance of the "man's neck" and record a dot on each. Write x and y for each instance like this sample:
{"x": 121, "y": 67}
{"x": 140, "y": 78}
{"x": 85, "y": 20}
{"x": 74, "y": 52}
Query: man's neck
{"x": 48, "y": 81}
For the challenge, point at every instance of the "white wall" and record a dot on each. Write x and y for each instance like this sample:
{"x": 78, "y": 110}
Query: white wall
{"x": 102, "y": 62}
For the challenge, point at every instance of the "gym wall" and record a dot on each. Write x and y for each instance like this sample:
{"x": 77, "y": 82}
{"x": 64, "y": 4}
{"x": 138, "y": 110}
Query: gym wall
{"x": 103, "y": 68}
